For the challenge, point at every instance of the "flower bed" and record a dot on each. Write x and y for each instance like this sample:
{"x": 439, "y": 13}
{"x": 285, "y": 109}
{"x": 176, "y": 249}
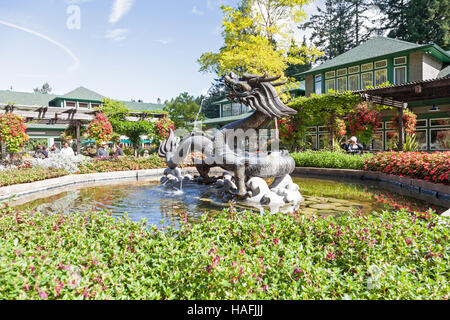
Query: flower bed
{"x": 232, "y": 256}
{"x": 122, "y": 164}
{"x": 433, "y": 167}
{"x": 330, "y": 159}
{"x": 27, "y": 175}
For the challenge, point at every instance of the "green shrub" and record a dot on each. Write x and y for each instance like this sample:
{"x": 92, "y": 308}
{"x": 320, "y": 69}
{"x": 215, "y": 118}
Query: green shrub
{"x": 27, "y": 175}
{"x": 330, "y": 159}
{"x": 231, "y": 256}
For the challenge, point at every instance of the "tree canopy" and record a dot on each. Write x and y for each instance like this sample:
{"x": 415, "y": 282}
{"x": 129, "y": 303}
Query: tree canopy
{"x": 182, "y": 110}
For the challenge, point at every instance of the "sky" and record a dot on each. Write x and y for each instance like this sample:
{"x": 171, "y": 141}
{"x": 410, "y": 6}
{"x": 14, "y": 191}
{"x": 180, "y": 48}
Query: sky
{"x": 122, "y": 49}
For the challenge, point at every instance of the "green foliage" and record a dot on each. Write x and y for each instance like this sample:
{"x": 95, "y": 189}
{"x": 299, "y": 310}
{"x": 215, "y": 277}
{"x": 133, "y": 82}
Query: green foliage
{"x": 122, "y": 164}
{"x": 389, "y": 255}
{"x": 320, "y": 109}
{"x": 249, "y": 33}
{"x": 417, "y": 21}
{"x": 182, "y": 110}
{"x": 330, "y": 159}
{"x": 410, "y": 144}
{"x": 13, "y": 132}
{"x": 45, "y": 89}
{"x": 27, "y": 175}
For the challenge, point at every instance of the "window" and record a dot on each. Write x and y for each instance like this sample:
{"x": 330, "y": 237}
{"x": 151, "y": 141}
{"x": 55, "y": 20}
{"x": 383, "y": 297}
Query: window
{"x": 235, "y": 109}
{"x": 342, "y": 84}
{"x": 421, "y": 139}
{"x": 330, "y": 74}
{"x": 440, "y": 139}
{"x": 95, "y": 105}
{"x": 391, "y": 140}
{"x": 366, "y": 80}
{"x": 381, "y": 64}
{"x": 367, "y": 67}
{"x": 400, "y": 75}
{"x": 70, "y": 104}
{"x": 83, "y": 105}
{"x": 324, "y": 141}
{"x": 353, "y": 82}
{"x": 354, "y": 69}
{"x": 324, "y": 129}
{"x": 330, "y": 85}
{"x": 389, "y": 125}
{"x": 342, "y": 72}
{"x": 311, "y": 141}
{"x": 226, "y": 110}
{"x": 440, "y": 122}
{"x": 380, "y": 77}
{"x": 311, "y": 129}
{"x": 421, "y": 123}
{"x": 318, "y": 84}
{"x": 399, "y": 61}
{"x": 377, "y": 142}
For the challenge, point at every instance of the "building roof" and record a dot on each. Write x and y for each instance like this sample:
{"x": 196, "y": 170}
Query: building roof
{"x": 377, "y": 47}
{"x": 26, "y": 98}
{"x": 228, "y": 119}
{"x": 81, "y": 93}
{"x": 444, "y": 72}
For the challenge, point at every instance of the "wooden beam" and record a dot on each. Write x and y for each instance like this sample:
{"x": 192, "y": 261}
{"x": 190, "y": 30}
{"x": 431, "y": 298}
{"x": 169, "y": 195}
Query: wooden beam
{"x": 400, "y": 130}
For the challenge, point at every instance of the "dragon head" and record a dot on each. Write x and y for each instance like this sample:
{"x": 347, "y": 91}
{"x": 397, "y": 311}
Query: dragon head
{"x": 257, "y": 92}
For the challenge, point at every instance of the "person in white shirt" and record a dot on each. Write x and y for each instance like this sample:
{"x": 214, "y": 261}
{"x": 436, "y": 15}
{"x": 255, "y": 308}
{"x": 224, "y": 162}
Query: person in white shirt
{"x": 67, "y": 151}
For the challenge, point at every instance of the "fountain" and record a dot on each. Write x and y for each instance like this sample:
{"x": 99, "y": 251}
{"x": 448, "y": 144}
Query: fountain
{"x": 235, "y": 149}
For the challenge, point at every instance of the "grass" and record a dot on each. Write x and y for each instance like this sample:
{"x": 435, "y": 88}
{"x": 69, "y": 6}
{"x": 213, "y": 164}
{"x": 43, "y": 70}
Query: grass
{"x": 388, "y": 255}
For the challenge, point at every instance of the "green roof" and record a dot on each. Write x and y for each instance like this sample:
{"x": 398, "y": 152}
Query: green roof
{"x": 26, "y": 98}
{"x": 221, "y": 102}
{"x": 143, "y": 106}
{"x": 374, "y": 48}
{"x": 444, "y": 72}
{"x": 82, "y": 93}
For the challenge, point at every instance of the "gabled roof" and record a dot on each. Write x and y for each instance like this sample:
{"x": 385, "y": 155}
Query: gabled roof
{"x": 83, "y": 93}
{"x": 377, "y": 47}
{"x": 26, "y": 98}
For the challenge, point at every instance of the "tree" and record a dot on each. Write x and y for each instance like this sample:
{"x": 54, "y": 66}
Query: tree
{"x": 418, "y": 21}
{"x": 340, "y": 26}
{"x": 182, "y": 110}
{"x": 257, "y": 37}
{"x": 293, "y": 70}
{"x": 46, "y": 89}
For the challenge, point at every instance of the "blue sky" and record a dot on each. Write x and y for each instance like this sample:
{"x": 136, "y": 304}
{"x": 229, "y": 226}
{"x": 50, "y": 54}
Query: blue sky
{"x": 124, "y": 49}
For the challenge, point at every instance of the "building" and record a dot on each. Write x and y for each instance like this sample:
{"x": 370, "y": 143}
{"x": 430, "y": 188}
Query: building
{"x": 417, "y": 74}
{"x": 48, "y": 130}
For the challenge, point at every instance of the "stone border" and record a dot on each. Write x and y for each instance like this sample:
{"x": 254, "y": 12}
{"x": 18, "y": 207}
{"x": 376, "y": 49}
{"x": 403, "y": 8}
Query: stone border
{"x": 27, "y": 189}
{"x": 440, "y": 191}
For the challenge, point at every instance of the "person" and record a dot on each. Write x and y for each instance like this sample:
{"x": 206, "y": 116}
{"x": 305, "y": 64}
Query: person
{"x": 352, "y": 146}
{"x": 102, "y": 152}
{"x": 146, "y": 154}
{"x": 39, "y": 152}
{"x": 45, "y": 152}
{"x": 54, "y": 149}
{"x": 67, "y": 151}
{"x": 119, "y": 150}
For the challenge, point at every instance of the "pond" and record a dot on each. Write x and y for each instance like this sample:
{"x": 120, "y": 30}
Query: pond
{"x": 155, "y": 203}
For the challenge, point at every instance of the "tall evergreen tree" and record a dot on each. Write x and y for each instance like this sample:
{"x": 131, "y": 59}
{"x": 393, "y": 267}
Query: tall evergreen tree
{"x": 418, "y": 21}
{"x": 340, "y": 26}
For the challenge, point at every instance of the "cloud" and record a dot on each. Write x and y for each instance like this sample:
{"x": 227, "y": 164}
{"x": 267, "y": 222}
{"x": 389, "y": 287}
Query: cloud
{"x": 119, "y": 9}
{"x": 76, "y": 61}
{"x": 209, "y": 5}
{"x": 117, "y": 34}
{"x": 165, "y": 41}
{"x": 197, "y": 12}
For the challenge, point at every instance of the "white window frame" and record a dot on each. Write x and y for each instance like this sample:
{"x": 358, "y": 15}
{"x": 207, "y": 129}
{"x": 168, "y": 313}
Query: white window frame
{"x": 315, "y": 83}
{"x": 326, "y": 84}
{"x": 330, "y": 74}
{"x": 337, "y": 84}
{"x": 357, "y": 71}
{"x": 371, "y": 72}
{"x": 440, "y": 126}
{"x": 358, "y": 81}
{"x": 401, "y": 64}
{"x": 344, "y": 73}
{"x": 426, "y": 138}
{"x": 375, "y": 76}
{"x": 406, "y": 73}
{"x": 382, "y": 67}
{"x": 382, "y": 141}
{"x": 437, "y": 129}
{"x": 366, "y": 64}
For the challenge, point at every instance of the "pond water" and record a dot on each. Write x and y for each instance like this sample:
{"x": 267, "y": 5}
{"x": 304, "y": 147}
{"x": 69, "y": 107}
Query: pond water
{"x": 153, "y": 202}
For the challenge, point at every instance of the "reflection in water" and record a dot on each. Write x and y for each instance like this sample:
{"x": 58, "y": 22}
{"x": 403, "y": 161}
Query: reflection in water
{"x": 150, "y": 201}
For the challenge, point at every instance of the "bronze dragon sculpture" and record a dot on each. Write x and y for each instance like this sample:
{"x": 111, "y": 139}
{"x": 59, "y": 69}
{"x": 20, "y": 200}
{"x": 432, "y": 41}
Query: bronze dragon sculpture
{"x": 257, "y": 92}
